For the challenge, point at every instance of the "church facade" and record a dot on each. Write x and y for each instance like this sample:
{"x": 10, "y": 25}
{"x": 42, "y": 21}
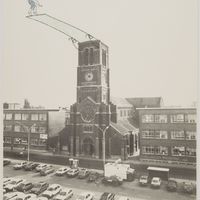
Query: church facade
{"x": 93, "y": 113}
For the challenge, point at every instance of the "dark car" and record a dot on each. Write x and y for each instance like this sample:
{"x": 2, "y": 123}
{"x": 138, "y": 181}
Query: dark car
{"x": 6, "y": 162}
{"x": 40, "y": 187}
{"x": 30, "y": 166}
{"x": 113, "y": 180}
{"x": 171, "y": 185}
{"x": 83, "y": 173}
{"x": 107, "y": 196}
{"x": 47, "y": 170}
{"x": 24, "y": 187}
{"x": 93, "y": 176}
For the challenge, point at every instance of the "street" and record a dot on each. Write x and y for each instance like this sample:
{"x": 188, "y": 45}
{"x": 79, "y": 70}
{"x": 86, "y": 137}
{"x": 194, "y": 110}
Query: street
{"x": 131, "y": 189}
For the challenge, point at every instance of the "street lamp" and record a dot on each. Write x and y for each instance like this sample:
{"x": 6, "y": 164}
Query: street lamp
{"x": 29, "y": 134}
{"x": 103, "y": 144}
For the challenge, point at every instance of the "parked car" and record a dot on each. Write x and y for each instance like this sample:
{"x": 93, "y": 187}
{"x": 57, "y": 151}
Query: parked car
{"x": 27, "y": 197}
{"x": 72, "y": 172}
{"x": 156, "y": 182}
{"x": 40, "y": 187}
{"x": 39, "y": 198}
{"x": 11, "y": 195}
{"x": 188, "y": 187}
{"x": 143, "y": 180}
{"x": 64, "y": 194}
{"x": 40, "y": 167}
{"x": 6, "y": 181}
{"x": 62, "y": 171}
{"x": 86, "y": 196}
{"x": 52, "y": 190}
{"x": 47, "y": 170}
{"x": 83, "y": 173}
{"x": 107, "y": 196}
{"x": 93, "y": 176}
{"x": 171, "y": 185}
{"x": 114, "y": 180}
{"x": 30, "y": 166}
{"x": 20, "y": 165}
{"x": 13, "y": 184}
{"x": 6, "y": 162}
{"x": 25, "y": 186}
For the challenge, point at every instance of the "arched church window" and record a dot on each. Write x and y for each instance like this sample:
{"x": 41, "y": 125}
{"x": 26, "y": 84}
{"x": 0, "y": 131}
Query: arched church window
{"x": 91, "y": 56}
{"x": 86, "y": 55}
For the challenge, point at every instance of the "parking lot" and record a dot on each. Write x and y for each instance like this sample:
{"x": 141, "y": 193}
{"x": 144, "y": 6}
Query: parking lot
{"x": 130, "y": 189}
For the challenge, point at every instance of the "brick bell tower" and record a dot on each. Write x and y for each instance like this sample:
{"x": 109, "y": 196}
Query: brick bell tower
{"x": 92, "y": 107}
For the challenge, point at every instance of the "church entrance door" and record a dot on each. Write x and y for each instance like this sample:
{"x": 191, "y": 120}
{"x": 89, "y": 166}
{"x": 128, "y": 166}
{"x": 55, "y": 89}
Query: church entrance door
{"x": 88, "y": 147}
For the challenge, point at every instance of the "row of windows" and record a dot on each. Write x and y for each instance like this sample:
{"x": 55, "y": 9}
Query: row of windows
{"x": 162, "y": 134}
{"x": 33, "y": 141}
{"x": 125, "y": 113}
{"x": 175, "y": 150}
{"x": 178, "y": 118}
{"x": 18, "y": 128}
{"x": 19, "y": 116}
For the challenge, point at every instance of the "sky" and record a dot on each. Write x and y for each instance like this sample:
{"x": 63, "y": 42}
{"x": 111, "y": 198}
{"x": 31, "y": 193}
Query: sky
{"x": 152, "y": 50}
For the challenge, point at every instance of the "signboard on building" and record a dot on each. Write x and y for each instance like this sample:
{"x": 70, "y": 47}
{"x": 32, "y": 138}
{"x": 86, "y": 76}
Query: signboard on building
{"x": 43, "y": 136}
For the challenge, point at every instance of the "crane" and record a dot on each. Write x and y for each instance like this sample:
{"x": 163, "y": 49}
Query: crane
{"x": 76, "y": 35}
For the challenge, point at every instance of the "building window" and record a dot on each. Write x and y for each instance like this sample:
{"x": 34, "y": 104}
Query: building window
{"x": 17, "y": 141}
{"x": 148, "y": 134}
{"x": 42, "y": 117}
{"x": 18, "y": 116}
{"x": 88, "y": 128}
{"x": 147, "y": 118}
{"x": 24, "y": 140}
{"x": 34, "y": 117}
{"x": 17, "y": 128}
{"x": 177, "y": 135}
{"x": 34, "y": 129}
{"x": 178, "y": 151}
{"x": 103, "y": 57}
{"x": 159, "y": 150}
{"x": 190, "y": 135}
{"x": 42, "y": 129}
{"x": 42, "y": 142}
{"x": 8, "y": 116}
{"x": 7, "y": 140}
{"x": 161, "y": 134}
{"x": 91, "y": 56}
{"x": 124, "y": 112}
{"x": 190, "y": 151}
{"x": 86, "y": 54}
{"x": 121, "y": 113}
{"x": 190, "y": 118}
{"x": 177, "y": 118}
{"x": 25, "y": 116}
{"x": 148, "y": 150}
{"x": 8, "y": 128}
{"x": 34, "y": 141}
{"x": 161, "y": 118}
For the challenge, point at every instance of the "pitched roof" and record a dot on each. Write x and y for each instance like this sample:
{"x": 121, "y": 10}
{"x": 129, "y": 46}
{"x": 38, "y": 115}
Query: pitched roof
{"x": 120, "y": 102}
{"x": 141, "y": 102}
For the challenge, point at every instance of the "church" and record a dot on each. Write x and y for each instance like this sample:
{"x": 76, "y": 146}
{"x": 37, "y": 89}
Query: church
{"x": 97, "y": 121}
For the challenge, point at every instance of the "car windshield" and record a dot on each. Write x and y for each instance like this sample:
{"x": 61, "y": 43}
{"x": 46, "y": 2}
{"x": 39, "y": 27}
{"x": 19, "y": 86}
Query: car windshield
{"x": 51, "y": 189}
{"x": 13, "y": 182}
{"x": 37, "y": 185}
{"x": 63, "y": 193}
{"x": 143, "y": 178}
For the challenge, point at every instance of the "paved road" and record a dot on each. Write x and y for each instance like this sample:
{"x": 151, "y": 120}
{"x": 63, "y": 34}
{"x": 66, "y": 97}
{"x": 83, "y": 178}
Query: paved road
{"x": 127, "y": 189}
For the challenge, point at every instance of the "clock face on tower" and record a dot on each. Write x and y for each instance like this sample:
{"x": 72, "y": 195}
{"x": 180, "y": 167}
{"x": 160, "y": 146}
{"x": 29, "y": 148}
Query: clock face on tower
{"x": 89, "y": 76}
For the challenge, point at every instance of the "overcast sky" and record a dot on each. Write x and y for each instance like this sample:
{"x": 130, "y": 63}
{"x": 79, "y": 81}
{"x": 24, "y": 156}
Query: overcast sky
{"x": 152, "y": 44}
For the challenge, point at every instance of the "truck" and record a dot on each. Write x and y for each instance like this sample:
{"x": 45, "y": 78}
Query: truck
{"x": 119, "y": 170}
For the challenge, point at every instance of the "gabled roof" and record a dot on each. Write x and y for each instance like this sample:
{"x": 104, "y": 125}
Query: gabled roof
{"x": 142, "y": 102}
{"x": 120, "y": 102}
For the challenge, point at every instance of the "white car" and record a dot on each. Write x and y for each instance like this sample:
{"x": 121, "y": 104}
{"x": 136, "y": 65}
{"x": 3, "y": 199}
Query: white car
{"x": 39, "y": 198}
{"x": 12, "y": 195}
{"x": 19, "y": 165}
{"x": 86, "y": 196}
{"x": 26, "y": 196}
{"x": 52, "y": 190}
{"x": 13, "y": 184}
{"x": 6, "y": 181}
{"x": 155, "y": 182}
{"x": 62, "y": 171}
{"x": 64, "y": 194}
{"x": 124, "y": 198}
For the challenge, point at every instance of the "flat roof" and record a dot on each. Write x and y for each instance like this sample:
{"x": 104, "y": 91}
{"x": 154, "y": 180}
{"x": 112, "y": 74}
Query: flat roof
{"x": 158, "y": 169}
{"x": 168, "y": 108}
